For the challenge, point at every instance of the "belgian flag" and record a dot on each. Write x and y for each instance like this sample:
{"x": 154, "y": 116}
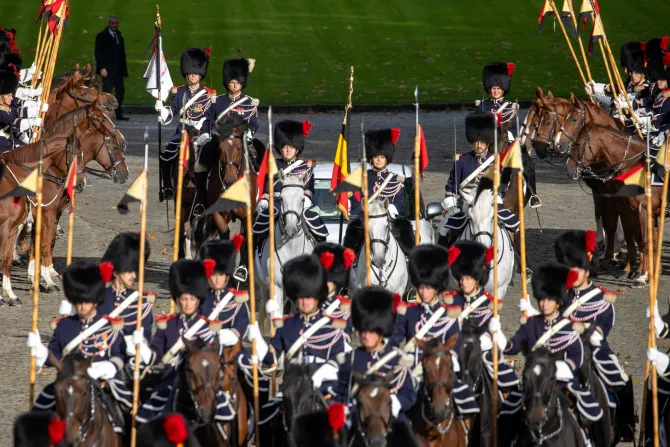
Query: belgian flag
{"x": 588, "y": 9}
{"x": 353, "y": 183}
{"x": 237, "y": 196}
{"x": 547, "y": 10}
{"x": 134, "y": 194}
{"x": 660, "y": 164}
{"x": 632, "y": 182}
{"x": 341, "y": 168}
{"x": 26, "y": 188}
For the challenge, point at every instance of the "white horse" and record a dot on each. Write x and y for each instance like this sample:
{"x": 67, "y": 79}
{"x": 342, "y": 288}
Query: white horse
{"x": 292, "y": 239}
{"x": 388, "y": 266}
{"x": 480, "y": 228}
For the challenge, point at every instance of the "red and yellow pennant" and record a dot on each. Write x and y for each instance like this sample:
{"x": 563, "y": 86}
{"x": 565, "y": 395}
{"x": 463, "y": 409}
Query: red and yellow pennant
{"x": 546, "y": 11}
{"x": 632, "y": 182}
{"x": 71, "y": 182}
{"x": 597, "y": 33}
{"x": 423, "y": 154}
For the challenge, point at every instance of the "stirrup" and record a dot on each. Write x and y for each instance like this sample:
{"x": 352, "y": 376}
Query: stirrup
{"x": 241, "y": 274}
{"x": 529, "y": 276}
{"x": 168, "y": 193}
{"x": 535, "y": 201}
{"x": 198, "y": 210}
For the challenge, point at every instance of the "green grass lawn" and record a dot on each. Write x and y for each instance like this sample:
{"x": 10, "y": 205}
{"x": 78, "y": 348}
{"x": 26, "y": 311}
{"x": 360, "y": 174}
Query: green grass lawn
{"x": 303, "y": 48}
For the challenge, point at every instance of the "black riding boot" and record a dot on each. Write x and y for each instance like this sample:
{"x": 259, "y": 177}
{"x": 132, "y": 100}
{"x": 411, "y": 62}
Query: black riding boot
{"x": 201, "y": 191}
{"x": 625, "y": 411}
{"x": 166, "y": 191}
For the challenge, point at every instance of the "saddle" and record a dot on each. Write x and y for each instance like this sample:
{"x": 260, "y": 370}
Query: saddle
{"x": 401, "y": 229}
{"x": 116, "y": 416}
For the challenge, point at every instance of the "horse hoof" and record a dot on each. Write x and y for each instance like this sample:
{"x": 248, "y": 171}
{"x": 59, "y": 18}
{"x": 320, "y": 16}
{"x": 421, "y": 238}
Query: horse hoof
{"x": 19, "y": 262}
{"x": 15, "y": 302}
{"x": 3, "y": 303}
{"x": 633, "y": 275}
{"x": 53, "y": 288}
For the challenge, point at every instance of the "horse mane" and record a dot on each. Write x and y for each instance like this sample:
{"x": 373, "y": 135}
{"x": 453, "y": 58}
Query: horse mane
{"x": 377, "y": 207}
{"x": 483, "y": 203}
{"x": 67, "y": 84}
{"x": 64, "y": 125}
{"x": 72, "y": 365}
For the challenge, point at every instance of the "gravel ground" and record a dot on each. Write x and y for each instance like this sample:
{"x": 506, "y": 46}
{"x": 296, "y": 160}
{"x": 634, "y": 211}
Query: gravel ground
{"x": 565, "y": 206}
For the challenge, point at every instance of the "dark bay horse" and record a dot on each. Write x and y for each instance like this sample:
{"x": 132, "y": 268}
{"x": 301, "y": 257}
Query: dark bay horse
{"x": 548, "y": 421}
{"x": 434, "y": 415}
{"x": 79, "y": 404}
{"x": 237, "y": 431}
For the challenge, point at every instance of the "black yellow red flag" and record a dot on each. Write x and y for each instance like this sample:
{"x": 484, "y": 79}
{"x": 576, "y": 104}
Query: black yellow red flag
{"x": 341, "y": 167}
{"x": 237, "y": 196}
{"x": 546, "y": 11}
{"x": 134, "y": 194}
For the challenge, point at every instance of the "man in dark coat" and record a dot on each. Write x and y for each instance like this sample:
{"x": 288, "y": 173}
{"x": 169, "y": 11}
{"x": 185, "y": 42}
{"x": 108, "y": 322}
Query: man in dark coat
{"x": 110, "y": 61}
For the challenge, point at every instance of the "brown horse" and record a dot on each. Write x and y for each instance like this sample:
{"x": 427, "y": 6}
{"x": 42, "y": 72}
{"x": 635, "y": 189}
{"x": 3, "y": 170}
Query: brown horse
{"x": 79, "y": 404}
{"x": 230, "y": 383}
{"x": 434, "y": 415}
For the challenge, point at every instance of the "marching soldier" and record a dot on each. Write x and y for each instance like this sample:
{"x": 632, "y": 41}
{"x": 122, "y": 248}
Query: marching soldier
{"x": 373, "y": 317}
{"x": 429, "y": 273}
{"x": 578, "y": 250}
{"x": 467, "y": 171}
{"x": 123, "y": 256}
{"x": 337, "y": 262}
{"x": 194, "y": 100}
{"x": 188, "y": 287}
{"x": 84, "y": 287}
{"x": 289, "y": 143}
{"x": 550, "y": 287}
{"x": 219, "y": 259}
{"x": 497, "y": 79}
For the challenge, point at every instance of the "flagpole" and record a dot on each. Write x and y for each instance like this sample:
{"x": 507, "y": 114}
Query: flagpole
{"x": 271, "y": 214}
{"x": 158, "y": 54}
{"x": 496, "y": 184}
{"x": 417, "y": 178}
{"x": 252, "y": 293}
{"x": 140, "y": 290}
{"x": 347, "y": 108}
{"x": 70, "y": 226}
{"x": 567, "y": 39}
{"x": 581, "y": 45}
{"x": 661, "y": 223}
{"x": 36, "y": 275}
{"x": 178, "y": 199}
{"x": 522, "y": 239}
{"x": 366, "y": 214}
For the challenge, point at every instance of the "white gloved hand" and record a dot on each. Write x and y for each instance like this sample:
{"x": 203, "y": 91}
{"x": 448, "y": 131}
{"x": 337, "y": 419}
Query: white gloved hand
{"x": 598, "y": 89}
{"x": 307, "y": 203}
{"x": 485, "y": 342}
{"x": 27, "y": 93}
{"x": 623, "y": 104}
{"x": 131, "y": 347}
{"x": 596, "y": 339}
{"x": 262, "y": 205}
{"x": 643, "y": 122}
{"x": 449, "y": 202}
{"x": 27, "y": 75}
{"x": 659, "y": 359}
{"x": 326, "y": 372}
{"x": 659, "y": 325}
{"x": 198, "y": 124}
{"x": 454, "y": 362}
{"x": 33, "y": 108}
{"x": 604, "y": 100}
{"x": 45, "y": 107}
{"x": 65, "y": 308}
{"x": 347, "y": 347}
{"x": 41, "y": 351}
{"x": 588, "y": 89}
{"x": 494, "y": 328}
{"x": 23, "y": 138}
{"x": 158, "y": 106}
{"x": 563, "y": 371}
{"x": 254, "y": 333}
{"x": 494, "y": 325}
{"x": 658, "y": 140}
{"x": 202, "y": 139}
{"x": 272, "y": 307}
{"x": 526, "y": 306}
{"x": 395, "y": 405}
{"x": 228, "y": 338}
{"x": 393, "y": 211}
{"x": 28, "y": 123}
{"x": 104, "y": 370}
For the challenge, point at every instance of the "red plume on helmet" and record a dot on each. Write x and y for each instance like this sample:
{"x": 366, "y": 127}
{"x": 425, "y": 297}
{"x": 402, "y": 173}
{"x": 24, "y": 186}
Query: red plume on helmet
{"x": 56, "y": 431}
{"x": 488, "y": 256}
{"x": 395, "y": 133}
{"x": 237, "y": 241}
{"x": 643, "y": 46}
{"x": 326, "y": 259}
{"x": 337, "y": 416}
{"x": 349, "y": 258}
{"x": 510, "y": 69}
{"x": 306, "y": 128}
{"x": 572, "y": 277}
{"x": 106, "y": 269}
{"x": 210, "y": 265}
{"x": 397, "y": 301}
{"x": 590, "y": 242}
{"x": 454, "y": 253}
{"x": 175, "y": 429}
{"x": 666, "y": 59}
{"x": 208, "y": 51}
{"x": 664, "y": 43}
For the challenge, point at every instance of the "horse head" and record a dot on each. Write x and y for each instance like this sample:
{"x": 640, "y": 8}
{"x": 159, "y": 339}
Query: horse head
{"x": 575, "y": 120}
{"x": 380, "y": 231}
{"x": 108, "y": 152}
{"x": 552, "y": 111}
{"x": 299, "y": 395}
{"x": 438, "y": 375}
{"x": 231, "y": 149}
{"x": 539, "y": 378}
{"x": 292, "y": 201}
{"x": 112, "y": 159}
{"x": 201, "y": 375}
{"x": 374, "y": 408}
{"x": 584, "y": 154}
{"x": 74, "y": 394}
{"x": 470, "y": 355}
{"x": 481, "y": 217}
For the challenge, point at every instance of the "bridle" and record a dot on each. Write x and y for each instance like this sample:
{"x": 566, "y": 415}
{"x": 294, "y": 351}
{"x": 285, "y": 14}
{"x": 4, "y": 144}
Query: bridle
{"x": 109, "y": 173}
{"x": 555, "y": 123}
{"x": 237, "y": 166}
{"x": 428, "y": 399}
{"x": 608, "y": 172}
{"x": 199, "y": 421}
{"x": 89, "y": 413}
{"x": 540, "y": 437}
{"x": 362, "y": 423}
{"x": 285, "y": 214}
{"x": 581, "y": 122}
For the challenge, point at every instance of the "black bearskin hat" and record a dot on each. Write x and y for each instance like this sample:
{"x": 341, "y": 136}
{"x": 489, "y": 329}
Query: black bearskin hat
{"x": 553, "y": 281}
{"x": 223, "y": 253}
{"x": 372, "y": 310}
{"x": 625, "y": 52}
{"x": 32, "y": 429}
{"x": 429, "y": 265}
{"x": 636, "y": 63}
{"x": 305, "y": 277}
{"x": 188, "y": 276}
{"x": 336, "y": 260}
{"x": 497, "y": 74}
{"x": 654, "y": 58}
{"x": 9, "y": 82}
{"x": 8, "y": 58}
{"x": 578, "y": 248}
{"x": 237, "y": 70}
{"x": 381, "y": 142}
{"x": 124, "y": 252}
{"x": 291, "y": 133}
{"x": 470, "y": 258}
{"x": 164, "y": 431}
{"x": 314, "y": 429}
{"x": 83, "y": 283}
{"x": 479, "y": 126}
{"x": 194, "y": 60}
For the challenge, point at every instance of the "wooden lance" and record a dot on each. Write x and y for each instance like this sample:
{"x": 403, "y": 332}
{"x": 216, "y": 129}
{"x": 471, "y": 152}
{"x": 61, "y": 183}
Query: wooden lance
{"x": 271, "y": 211}
{"x": 366, "y": 209}
{"x": 417, "y": 178}
{"x": 567, "y": 39}
{"x": 496, "y": 185}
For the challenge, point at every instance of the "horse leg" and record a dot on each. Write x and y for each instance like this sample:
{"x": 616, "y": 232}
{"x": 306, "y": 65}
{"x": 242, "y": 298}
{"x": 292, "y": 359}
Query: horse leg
{"x": 644, "y": 263}
{"x": 9, "y": 236}
{"x": 16, "y": 256}
{"x": 630, "y": 230}
{"x": 48, "y": 230}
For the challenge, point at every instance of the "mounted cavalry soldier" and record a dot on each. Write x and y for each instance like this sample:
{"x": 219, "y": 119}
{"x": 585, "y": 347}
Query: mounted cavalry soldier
{"x": 467, "y": 171}
{"x": 578, "y": 251}
{"x": 123, "y": 259}
{"x": 192, "y": 100}
{"x": 550, "y": 287}
{"x": 373, "y": 316}
{"x": 429, "y": 272}
{"x": 227, "y": 111}
{"x": 289, "y": 143}
{"x": 189, "y": 288}
{"x": 84, "y": 287}
{"x": 497, "y": 79}
{"x": 656, "y": 107}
